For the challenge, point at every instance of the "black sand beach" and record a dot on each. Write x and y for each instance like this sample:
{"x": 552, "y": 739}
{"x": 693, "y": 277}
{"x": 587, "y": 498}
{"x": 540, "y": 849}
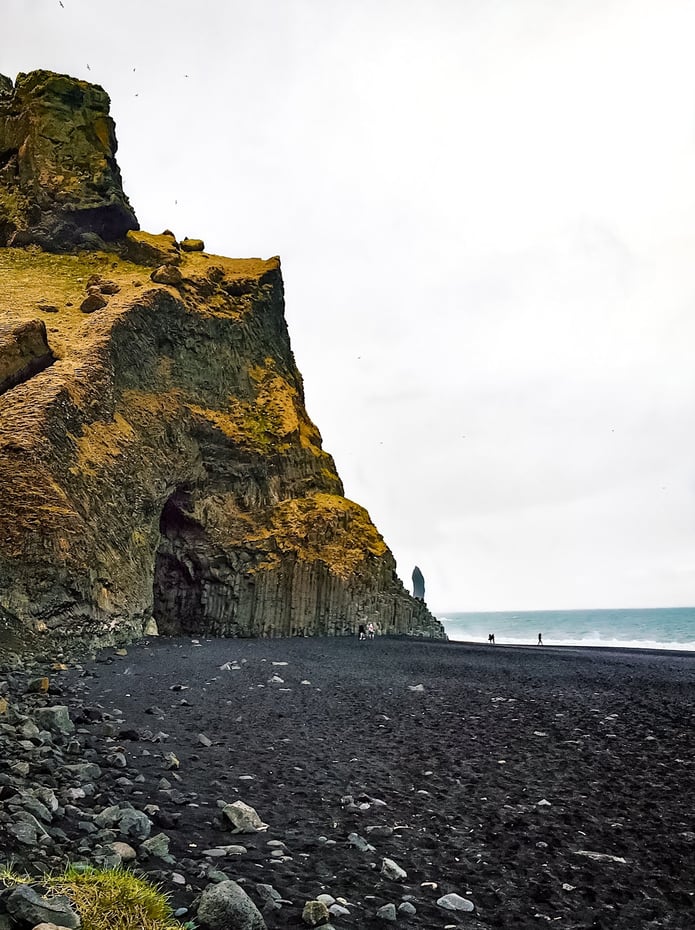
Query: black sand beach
{"x": 545, "y": 785}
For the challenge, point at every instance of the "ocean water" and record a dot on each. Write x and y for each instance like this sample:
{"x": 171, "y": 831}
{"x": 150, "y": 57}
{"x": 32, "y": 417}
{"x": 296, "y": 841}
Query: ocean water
{"x": 658, "y": 628}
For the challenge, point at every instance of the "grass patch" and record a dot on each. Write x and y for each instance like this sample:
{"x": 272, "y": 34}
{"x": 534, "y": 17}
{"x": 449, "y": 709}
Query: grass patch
{"x": 106, "y": 899}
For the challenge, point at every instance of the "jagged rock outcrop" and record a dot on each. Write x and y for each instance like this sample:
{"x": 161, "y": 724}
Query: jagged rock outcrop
{"x": 163, "y": 464}
{"x": 60, "y": 186}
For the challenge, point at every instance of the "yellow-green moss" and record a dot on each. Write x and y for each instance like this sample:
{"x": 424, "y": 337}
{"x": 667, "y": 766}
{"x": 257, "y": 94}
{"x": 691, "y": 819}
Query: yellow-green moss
{"x": 319, "y": 527}
{"x": 30, "y": 275}
{"x": 101, "y": 442}
{"x": 273, "y": 422}
{"x": 329, "y": 528}
{"x": 13, "y": 206}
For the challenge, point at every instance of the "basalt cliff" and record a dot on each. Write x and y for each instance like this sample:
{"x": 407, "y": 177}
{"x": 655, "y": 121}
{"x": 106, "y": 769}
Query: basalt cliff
{"x": 156, "y": 457}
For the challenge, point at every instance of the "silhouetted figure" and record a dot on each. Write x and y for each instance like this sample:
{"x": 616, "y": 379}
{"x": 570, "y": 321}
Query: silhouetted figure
{"x": 540, "y": 639}
{"x": 491, "y": 639}
{"x": 418, "y": 584}
{"x": 361, "y": 634}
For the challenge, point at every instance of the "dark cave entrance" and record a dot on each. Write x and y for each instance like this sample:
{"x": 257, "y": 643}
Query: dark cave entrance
{"x": 178, "y": 584}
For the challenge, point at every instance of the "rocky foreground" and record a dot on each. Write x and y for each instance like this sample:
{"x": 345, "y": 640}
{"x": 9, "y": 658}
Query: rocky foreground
{"x": 361, "y": 784}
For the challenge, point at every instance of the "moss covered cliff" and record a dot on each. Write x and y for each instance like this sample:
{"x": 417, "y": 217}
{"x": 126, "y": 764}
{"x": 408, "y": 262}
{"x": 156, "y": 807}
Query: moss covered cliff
{"x": 156, "y": 456}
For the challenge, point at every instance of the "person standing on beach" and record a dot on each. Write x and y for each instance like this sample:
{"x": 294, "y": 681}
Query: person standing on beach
{"x": 360, "y": 632}
{"x": 370, "y": 630}
{"x": 540, "y": 639}
{"x": 491, "y": 639}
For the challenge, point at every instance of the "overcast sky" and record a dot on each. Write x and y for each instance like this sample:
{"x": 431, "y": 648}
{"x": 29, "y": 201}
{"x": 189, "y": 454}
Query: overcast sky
{"x": 485, "y": 211}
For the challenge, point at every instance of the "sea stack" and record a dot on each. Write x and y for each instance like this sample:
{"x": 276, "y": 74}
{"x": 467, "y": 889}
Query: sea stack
{"x": 156, "y": 457}
{"x": 418, "y": 584}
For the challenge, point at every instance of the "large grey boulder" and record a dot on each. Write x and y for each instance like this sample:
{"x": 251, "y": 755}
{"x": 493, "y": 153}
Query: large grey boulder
{"x": 226, "y": 906}
{"x": 454, "y": 902}
{"x": 55, "y": 719}
{"x": 83, "y": 772}
{"x": 243, "y": 818}
{"x": 135, "y": 824}
{"x": 28, "y": 908}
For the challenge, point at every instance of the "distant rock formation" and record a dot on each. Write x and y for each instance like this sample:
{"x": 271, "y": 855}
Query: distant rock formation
{"x": 418, "y": 584}
{"x": 156, "y": 456}
{"x": 60, "y": 186}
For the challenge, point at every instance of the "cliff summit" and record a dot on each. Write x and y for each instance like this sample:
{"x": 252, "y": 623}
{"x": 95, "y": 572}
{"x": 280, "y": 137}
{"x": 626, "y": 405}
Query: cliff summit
{"x": 156, "y": 457}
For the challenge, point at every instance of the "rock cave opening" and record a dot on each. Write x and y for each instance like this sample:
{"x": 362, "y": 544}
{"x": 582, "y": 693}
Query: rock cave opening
{"x": 177, "y": 604}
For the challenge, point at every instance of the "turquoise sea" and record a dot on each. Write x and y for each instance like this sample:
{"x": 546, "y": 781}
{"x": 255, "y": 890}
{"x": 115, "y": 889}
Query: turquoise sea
{"x": 647, "y": 628}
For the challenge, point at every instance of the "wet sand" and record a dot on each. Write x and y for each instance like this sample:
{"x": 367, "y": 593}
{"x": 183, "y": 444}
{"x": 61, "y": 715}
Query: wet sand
{"x": 497, "y": 780}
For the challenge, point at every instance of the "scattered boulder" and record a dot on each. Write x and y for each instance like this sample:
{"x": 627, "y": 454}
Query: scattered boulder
{"x": 315, "y": 913}
{"x": 135, "y": 823}
{"x": 157, "y": 845}
{"x": 359, "y": 842}
{"x": 192, "y": 245}
{"x": 600, "y": 857}
{"x": 227, "y": 905}
{"x": 103, "y": 285}
{"x": 143, "y": 248}
{"x": 84, "y": 772}
{"x": 271, "y": 899}
{"x": 243, "y": 818}
{"x": 387, "y": 912}
{"x": 124, "y": 851}
{"x": 55, "y": 719}
{"x": 167, "y": 274}
{"x": 454, "y": 902}
{"x": 92, "y": 303}
{"x": 392, "y": 870}
{"x": 217, "y": 852}
{"x": 171, "y": 761}
{"x": 27, "y": 907}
